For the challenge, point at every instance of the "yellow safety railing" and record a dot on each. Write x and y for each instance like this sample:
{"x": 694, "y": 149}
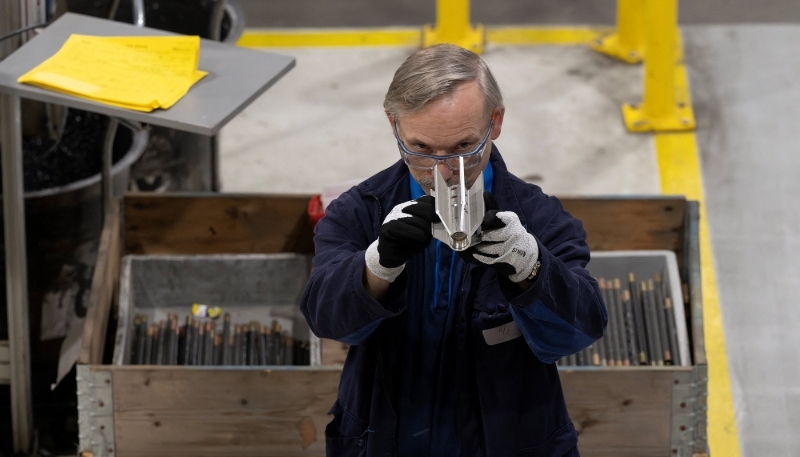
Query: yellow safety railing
{"x": 649, "y": 29}
{"x": 453, "y": 26}
{"x": 646, "y": 30}
{"x": 627, "y": 42}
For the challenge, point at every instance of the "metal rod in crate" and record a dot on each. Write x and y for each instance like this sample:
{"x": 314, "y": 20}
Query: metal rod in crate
{"x": 147, "y": 356}
{"x": 619, "y": 315}
{"x": 641, "y": 326}
{"x": 638, "y": 315}
{"x": 208, "y": 350}
{"x": 662, "y": 319}
{"x": 262, "y": 345}
{"x": 243, "y": 345}
{"x": 195, "y": 350}
{"x": 252, "y": 343}
{"x": 613, "y": 325}
{"x": 201, "y": 343}
{"x": 201, "y": 347}
{"x": 630, "y": 325}
{"x": 276, "y": 343}
{"x": 140, "y": 326}
{"x": 659, "y": 349}
{"x": 288, "y": 349}
{"x": 269, "y": 346}
{"x": 186, "y": 343}
{"x": 175, "y": 333}
{"x": 237, "y": 345}
{"x": 226, "y": 339}
{"x": 162, "y": 341}
{"x": 673, "y": 332}
{"x": 614, "y": 358}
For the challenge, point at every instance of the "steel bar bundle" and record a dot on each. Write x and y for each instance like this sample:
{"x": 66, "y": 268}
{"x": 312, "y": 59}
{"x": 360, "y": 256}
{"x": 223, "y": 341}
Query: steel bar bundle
{"x": 199, "y": 342}
{"x": 641, "y": 326}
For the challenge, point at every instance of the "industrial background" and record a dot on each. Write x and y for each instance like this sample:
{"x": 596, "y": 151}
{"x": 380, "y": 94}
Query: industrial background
{"x": 664, "y": 126}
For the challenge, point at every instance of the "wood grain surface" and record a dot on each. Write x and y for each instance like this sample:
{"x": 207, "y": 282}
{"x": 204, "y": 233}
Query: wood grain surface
{"x": 179, "y": 411}
{"x": 216, "y": 224}
{"x": 620, "y": 412}
{"x": 104, "y": 281}
{"x": 630, "y": 223}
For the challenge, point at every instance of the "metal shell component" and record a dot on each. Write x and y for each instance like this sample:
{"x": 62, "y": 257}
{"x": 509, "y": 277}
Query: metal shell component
{"x": 460, "y": 209}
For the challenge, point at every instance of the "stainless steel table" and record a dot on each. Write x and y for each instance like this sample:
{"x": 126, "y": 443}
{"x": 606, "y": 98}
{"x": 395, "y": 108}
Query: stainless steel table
{"x": 236, "y": 77}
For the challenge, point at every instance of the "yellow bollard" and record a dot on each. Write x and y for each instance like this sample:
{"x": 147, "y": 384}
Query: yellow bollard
{"x": 453, "y": 26}
{"x": 627, "y": 42}
{"x": 663, "y": 107}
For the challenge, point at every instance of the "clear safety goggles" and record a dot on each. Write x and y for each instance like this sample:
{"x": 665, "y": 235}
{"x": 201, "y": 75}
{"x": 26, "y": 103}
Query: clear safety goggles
{"x": 422, "y": 161}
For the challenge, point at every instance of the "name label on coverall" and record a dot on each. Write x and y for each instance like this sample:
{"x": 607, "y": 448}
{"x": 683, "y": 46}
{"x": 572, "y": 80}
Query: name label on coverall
{"x": 505, "y": 332}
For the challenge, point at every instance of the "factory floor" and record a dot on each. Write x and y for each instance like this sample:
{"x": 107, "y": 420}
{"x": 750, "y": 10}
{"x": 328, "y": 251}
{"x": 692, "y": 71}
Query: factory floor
{"x": 323, "y": 124}
{"x": 747, "y": 100}
{"x": 371, "y": 13}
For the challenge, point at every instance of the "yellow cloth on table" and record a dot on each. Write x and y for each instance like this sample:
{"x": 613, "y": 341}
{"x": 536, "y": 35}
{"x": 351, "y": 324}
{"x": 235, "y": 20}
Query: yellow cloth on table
{"x": 138, "y": 73}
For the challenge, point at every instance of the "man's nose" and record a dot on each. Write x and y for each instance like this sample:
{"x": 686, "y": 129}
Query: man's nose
{"x": 444, "y": 170}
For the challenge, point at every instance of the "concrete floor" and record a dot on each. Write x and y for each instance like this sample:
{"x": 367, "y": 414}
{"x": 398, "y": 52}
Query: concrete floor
{"x": 324, "y": 123}
{"x": 381, "y": 13}
{"x": 747, "y": 100}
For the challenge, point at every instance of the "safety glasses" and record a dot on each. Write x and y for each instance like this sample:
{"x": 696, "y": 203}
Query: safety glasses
{"x": 422, "y": 161}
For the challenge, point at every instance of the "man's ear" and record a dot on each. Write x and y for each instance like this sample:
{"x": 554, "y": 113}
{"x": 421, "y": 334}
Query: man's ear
{"x": 497, "y": 115}
{"x": 391, "y": 121}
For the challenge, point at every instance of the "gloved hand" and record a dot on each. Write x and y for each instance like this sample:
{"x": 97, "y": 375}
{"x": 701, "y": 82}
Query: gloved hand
{"x": 405, "y": 232}
{"x": 505, "y": 245}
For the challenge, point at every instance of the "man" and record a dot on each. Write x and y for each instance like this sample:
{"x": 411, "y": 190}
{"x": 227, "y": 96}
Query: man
{"x": 451, "y": 354}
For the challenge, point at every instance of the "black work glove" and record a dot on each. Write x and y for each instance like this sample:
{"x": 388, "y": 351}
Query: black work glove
{"x": 405, "y": 233}
{"x": 505, "y": 244}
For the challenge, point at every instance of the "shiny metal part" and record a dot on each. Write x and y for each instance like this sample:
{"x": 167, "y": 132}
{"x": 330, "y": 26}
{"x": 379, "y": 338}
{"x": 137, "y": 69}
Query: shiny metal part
{"x": 460, "y": 209}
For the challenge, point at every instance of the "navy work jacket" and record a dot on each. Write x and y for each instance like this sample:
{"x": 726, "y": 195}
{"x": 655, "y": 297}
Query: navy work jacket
{"x": 509, "y": 397}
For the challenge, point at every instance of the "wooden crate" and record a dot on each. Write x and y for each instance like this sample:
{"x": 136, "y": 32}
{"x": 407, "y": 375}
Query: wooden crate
{"x": 282, "y": 411}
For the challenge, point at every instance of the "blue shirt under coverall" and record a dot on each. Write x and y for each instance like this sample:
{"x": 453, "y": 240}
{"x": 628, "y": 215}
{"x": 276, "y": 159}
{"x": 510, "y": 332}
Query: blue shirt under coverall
{"x": 427, "y": 399}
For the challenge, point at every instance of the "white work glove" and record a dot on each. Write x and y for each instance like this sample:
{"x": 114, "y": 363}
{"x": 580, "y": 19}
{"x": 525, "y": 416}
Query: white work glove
{"x": 405, "y": 232}
{"x": 505, "y": 245}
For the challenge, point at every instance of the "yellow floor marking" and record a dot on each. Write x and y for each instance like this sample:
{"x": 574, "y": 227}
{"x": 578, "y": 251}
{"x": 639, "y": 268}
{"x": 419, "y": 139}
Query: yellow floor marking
{"x": 264, "y": 38}
{"x": 544, "y": 35}
{"x": 412, "y": 36}
{"x": 679, "y": 165}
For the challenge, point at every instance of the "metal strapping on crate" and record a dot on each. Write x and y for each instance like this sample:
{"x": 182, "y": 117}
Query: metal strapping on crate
{"x": 701, "y": 409}
{"x": 95, "y": 412}
{"x": 689, "y": 413}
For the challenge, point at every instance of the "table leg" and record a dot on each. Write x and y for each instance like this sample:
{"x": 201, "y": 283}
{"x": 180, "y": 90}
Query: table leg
{"x": 138, "y": 13}
{"x": 108, "y": 157}
{"x": 16, "y": 272}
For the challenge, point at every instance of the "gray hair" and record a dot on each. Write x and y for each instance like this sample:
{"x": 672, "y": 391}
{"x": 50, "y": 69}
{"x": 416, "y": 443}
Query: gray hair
{"x": 435, "y": 72}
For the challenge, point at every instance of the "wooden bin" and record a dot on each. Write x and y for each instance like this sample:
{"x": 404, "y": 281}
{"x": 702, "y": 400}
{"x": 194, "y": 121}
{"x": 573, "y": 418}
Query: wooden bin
{"x": 282, "y": 411}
